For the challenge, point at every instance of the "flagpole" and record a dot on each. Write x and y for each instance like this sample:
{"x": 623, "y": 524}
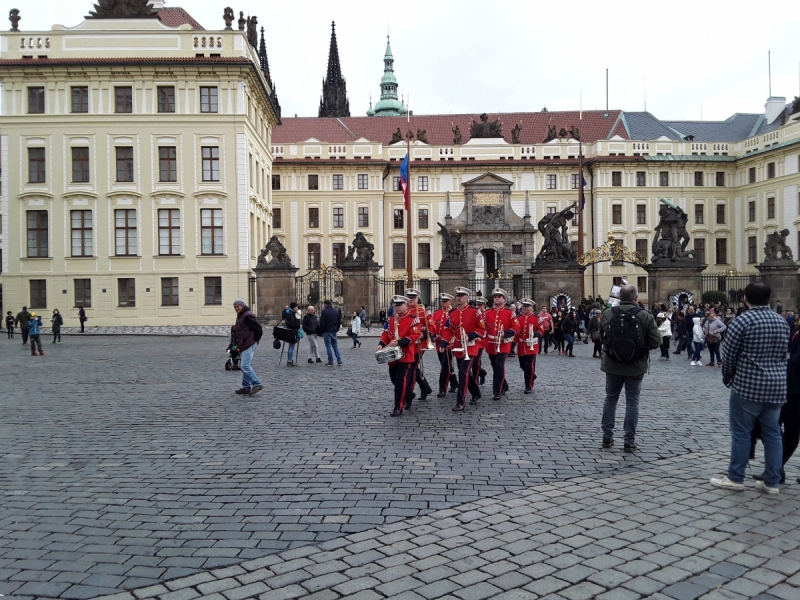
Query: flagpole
{"x": 581, "y": 193}
{"x": 409, "y": 251}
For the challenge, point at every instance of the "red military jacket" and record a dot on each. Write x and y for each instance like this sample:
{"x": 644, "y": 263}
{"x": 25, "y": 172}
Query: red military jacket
{"x": 527, "y": 342}
{"x": 438, "y": 321}
{"x": 494, "y": 319}
{"x": 426, "y": 324}
{"x": 470, "y": 319}
{"x": 407, "y": 333}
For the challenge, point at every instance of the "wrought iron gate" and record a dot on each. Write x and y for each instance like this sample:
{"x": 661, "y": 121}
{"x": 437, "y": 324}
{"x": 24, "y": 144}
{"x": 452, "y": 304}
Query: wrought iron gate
{"x": 318, "y": 285}
{"x": 386, "y": 288}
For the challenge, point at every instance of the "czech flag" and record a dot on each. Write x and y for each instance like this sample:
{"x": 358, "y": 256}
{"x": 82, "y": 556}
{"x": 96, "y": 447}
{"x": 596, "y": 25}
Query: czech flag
{"x": 404, "y": 183}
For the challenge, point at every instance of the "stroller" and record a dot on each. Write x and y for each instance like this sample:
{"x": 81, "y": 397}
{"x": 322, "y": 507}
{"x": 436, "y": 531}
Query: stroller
{"x": 234, "y": 356}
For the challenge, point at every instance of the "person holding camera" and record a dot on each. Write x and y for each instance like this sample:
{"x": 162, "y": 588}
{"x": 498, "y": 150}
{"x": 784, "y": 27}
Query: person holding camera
{"x": 247, "y": 333}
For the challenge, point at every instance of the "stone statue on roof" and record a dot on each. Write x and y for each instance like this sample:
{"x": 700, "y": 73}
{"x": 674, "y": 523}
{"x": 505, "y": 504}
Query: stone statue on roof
{"x": 252, "y": 31}
{"x": 486, "y": 128}
{"x": 551, "y": 134}
{"x": 456, "y": 135}
{"x": 227, "y": 15}
{"x": 422, "y": 136}
{"x": 515, "y": 133}
{"x": 575, "y": 133}
{"x": 397, "y": 136}
{"x": 122, "y": 9}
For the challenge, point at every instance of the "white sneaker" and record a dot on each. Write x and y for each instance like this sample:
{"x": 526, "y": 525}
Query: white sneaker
{"x": 727, "y": 484}
{"x": 693, "y": 363}
{"x": 763, "y": 487}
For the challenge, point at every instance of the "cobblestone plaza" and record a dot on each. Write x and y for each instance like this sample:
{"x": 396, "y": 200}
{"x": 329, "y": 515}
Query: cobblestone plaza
{"x": 129, "y": 468}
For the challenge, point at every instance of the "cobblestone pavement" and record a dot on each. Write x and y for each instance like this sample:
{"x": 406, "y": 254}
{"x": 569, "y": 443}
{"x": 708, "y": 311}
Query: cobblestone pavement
{"x": 127, "y": 463}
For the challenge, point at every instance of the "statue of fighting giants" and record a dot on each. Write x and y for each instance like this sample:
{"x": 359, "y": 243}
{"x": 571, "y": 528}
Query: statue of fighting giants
{"x": 671, "y": 237}
{"x": 776, "y": 248}
{"x": 361, "y": 250}
{"x": 452, "y": 248}
{"x": 555, "y": 237}
{"x": 278, "y": 255}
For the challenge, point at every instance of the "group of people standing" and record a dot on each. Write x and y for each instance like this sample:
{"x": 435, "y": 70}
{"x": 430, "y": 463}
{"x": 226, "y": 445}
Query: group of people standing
{"x": 30, "y": 327}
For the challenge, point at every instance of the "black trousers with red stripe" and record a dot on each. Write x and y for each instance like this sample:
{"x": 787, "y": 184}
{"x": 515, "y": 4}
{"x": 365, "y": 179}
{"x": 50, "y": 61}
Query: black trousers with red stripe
{"x": 402, "y": 375}
{"x": 445, "y": 360}
{"x": 477, "y": 368}
{"x": 499, "y": 385}
{"x": 424, "y": 386}
{"x": 466, "y": 381}
{"x": 528, "y": 366}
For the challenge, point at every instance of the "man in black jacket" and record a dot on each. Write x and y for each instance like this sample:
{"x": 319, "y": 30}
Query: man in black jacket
{"x": 330, "y": 322}
{"x": 247, "y": 333}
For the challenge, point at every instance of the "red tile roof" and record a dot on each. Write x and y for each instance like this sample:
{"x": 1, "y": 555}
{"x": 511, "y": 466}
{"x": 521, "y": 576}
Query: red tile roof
{"x": 175, "y": 16}
{"x": 595, "y": 126}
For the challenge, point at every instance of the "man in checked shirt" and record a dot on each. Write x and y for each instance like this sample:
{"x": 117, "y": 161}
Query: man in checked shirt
{"x": 754, "y": 367}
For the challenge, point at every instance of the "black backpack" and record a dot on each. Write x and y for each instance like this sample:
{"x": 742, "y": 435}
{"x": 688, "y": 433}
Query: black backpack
{"x": 624, "y": 336}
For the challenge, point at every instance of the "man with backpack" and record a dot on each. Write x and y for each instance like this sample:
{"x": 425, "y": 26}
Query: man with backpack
{"x": 629, "y": 333}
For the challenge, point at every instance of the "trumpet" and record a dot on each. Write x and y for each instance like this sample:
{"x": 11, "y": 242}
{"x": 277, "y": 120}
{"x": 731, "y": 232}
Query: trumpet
{"x": 499, "y": 341}
{"x": 531, "y": 341}
{"x": 464, "y": 341}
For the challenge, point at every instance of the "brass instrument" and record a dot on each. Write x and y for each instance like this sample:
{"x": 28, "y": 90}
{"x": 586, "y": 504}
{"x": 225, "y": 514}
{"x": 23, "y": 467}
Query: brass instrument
{"x": 499, "y": 341}
{"x": 464, "y": 342}
{"x": 531, "y": 341}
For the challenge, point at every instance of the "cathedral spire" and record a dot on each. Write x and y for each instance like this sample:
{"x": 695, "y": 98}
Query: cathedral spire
{"x": 264, "y": 62}
{"x": 334, "y": 102}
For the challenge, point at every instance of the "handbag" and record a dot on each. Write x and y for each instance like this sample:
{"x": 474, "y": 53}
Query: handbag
{"x": 300, "y": 334}
{"x": 596, "y": 335}
{"x": 284, "y": 334}
{"x": 712, "y": 338}
{"x": 350, "y": 331}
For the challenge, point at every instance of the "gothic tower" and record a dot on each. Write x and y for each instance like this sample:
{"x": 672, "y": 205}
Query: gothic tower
{"x": 262, "y": 57}
{"x": 334, "y": 102}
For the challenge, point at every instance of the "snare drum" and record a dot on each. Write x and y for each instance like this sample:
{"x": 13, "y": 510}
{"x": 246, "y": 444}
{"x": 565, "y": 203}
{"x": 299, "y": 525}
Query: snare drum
{"x": 389, "y": 354}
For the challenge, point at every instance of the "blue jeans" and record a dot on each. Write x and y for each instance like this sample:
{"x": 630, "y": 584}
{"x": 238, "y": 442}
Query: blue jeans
{"x": 570, "y": 339}
{"x": 292, "y": 348}
{"x": 355, "y": 339}
{"x": 743, "y": 417}
{"x": 331, "y": 346}
{"x": 698, "y": 346}
{"x": 249, "y": 377}
{"x": 633, "y": 387}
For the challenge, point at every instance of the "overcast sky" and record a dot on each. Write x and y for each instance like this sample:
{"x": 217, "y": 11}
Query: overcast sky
{"x": 466, "y": 56}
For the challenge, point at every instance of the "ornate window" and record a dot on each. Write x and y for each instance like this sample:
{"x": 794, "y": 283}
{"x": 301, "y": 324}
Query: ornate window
{"x": 82, "y": 234}
{"x": 169, "y": 231}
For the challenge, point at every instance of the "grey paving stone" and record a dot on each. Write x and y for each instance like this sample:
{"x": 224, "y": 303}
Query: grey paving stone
{"x": 478, "y": 591}
{"x": 546, "y": 585}
{"x": 684, "y": 591}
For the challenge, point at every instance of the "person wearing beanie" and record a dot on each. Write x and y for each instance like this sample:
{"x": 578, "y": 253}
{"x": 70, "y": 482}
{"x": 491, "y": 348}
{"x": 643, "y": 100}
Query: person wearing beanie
{"x": 35, "y": 330}
{"x": 291, "y": 317}
{"x": 247, "y": 333}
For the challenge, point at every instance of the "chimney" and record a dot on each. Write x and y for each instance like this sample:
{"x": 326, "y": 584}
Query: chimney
{"x": 774, "y": 107}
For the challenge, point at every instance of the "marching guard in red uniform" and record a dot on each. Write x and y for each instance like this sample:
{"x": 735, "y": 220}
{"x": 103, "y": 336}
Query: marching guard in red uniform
{"x": 415, "y": 309}
{"x": 446, "y": 373}
{"x": 528, "y": 340}
{"x": 461, "y": 331}
{"x": 477, "y": 372}
{"x": 501, "y": 327}
{"x": 402, "y": 330}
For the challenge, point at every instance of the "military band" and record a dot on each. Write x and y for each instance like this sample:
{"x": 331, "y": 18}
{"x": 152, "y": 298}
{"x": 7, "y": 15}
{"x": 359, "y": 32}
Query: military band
{"x": 528, "y": 340}
{"x": 460, "y": 333}
{"x": 402, "y": 331}
{"x": 501, "y": 327}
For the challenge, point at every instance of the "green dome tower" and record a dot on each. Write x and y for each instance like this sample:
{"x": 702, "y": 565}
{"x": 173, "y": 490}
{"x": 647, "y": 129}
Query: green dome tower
{"x": 389, "y": 105}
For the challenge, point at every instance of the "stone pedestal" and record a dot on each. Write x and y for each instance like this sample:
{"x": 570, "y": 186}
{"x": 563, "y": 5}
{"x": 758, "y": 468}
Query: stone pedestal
{"x": 451, "y": 276}
{"x": 275, "y": 288}
{"x": 667, "y": 279}
{"x": 359, "y": 287}
{"x": 781, "y": 277}
{"x": 551, "y": 282}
